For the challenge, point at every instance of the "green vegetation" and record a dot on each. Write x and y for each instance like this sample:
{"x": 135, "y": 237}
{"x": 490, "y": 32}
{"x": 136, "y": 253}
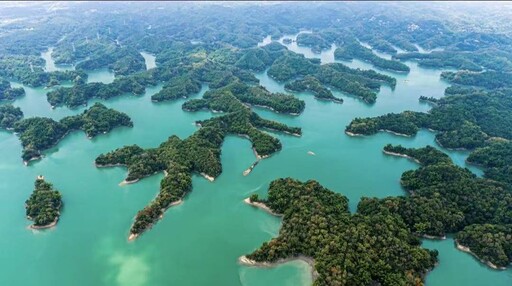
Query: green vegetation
{"x": 260, "y": 96}
{"x": 9, "y": 93}
{"x": 357, "y": 82}
{"x": 29, "y": 71}
{"x": 9, "y": 115}
{"x": 199, "y": 153}
{"x": 314, "y": 41}
{"x": 44, "y": 204}
{"x": 382, "y": 46}
{"x": 178, "y": 87}
{"x": 353, "y": 50}
{"x": 496, "y": 159}
{"x": 99, "y": 53}
{"x": 477, "y": 60}
{"x": 441, "y": 60}
{"x": 490, "y": 243}
{"x": 311, "y": 84}
{"x": 425, "y": 156}
{"x": 80, "y": 94}
{"x": 40, "y": 133}
{"x": 347, "y": 249}
{"x": 462, "y": 121}
{"x": 486, "y": 79}
{"x": 445, "y": 198}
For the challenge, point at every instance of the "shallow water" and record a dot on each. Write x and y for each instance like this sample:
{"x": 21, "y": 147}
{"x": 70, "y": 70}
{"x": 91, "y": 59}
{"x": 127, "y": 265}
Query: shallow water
{"x": 199, "y": 241}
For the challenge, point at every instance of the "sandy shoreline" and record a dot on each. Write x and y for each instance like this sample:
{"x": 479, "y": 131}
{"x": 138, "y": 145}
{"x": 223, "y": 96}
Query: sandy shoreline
{"x": 209, "y": 178}
{"x": 467, "y": 250}
{"x": 52, "y": 224}
{"x": 243, "y": 260}
{"x": 249, "y": 170}
{"x": 353, "y": 134}
{"x": 401, "y": 155}
{"x": 433, "y": 237}
{"x": 261, "y": 206}
{"x": 394, "y": 133}
{"x": 33, "y": 159}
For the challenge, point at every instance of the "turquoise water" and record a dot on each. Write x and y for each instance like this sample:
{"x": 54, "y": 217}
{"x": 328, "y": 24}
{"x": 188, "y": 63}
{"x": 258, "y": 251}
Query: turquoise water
{"x": 199, "y": 241}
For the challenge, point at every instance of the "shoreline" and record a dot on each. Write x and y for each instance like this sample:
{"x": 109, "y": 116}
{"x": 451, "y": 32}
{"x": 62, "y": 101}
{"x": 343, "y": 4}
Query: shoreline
{"x": 133, "y": 236}
{"x": 401, "y": 155}
{"x": 249, "y": 170}
{"x": 50, "y": 225}
{"x": 26, "y": 163}
{"x": 395, "y": 133}
{"x": 468, "y": 250}
{"x": 108, "y": 165}
{"x": 243, "y": 260}
{"x": 259, "y": 157}
{"x": 261, "y": 206}
{"x": 433, "y": 237}
{"x": 208, "y": 177}
{"x": 353, "y": 134}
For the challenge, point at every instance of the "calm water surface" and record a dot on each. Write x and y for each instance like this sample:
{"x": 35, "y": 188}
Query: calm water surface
{"x": 199, "y": 241}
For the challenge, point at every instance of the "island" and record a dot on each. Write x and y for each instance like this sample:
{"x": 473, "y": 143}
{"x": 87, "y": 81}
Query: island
{"x": 353, "y": 49}
{"x": 460, "y": 120}
{"x": 312, "y": 84}
{"x": 7, "y": 92}
{"x": 360, "y": 83}
{"x": 342, "y": 248}
{"x": 43, "y": 206}
{"x": 40, "y": 133}
{"x": 9, "y": 115}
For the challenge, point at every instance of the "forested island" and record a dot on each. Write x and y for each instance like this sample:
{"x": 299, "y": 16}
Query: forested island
{"x": 353, "y": 50}
{"x": 9, "y": 93}
{"x": 345, "y": 248}
{"x": 312, "y": 84}
{"x": 199, "y": 153}
{"x": 467, "y": 121}
{"x": 43, "y": 206}
{"x": 40, "y": 133}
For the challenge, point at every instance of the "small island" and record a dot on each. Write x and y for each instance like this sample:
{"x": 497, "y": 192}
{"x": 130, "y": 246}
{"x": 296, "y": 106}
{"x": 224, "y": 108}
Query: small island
{"x": 43, "y": 206}
{"x": 9, "y": 93}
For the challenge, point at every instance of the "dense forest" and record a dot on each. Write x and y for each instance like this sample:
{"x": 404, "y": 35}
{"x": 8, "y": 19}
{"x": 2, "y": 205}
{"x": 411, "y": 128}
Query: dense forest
{"x": 353, "y": 50}
{"x": 43, "y": 206}
{"x": 312, "y": 84}
{"x": 462, "y": 121}
{"x": 491, "y": 243}
{"x": 7, "y": 92}
{"x": 40, "y": 133}
{"x": 444, "y": 198}
{"x": 348, "y": 249}
{"x": 496, "y": 159}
